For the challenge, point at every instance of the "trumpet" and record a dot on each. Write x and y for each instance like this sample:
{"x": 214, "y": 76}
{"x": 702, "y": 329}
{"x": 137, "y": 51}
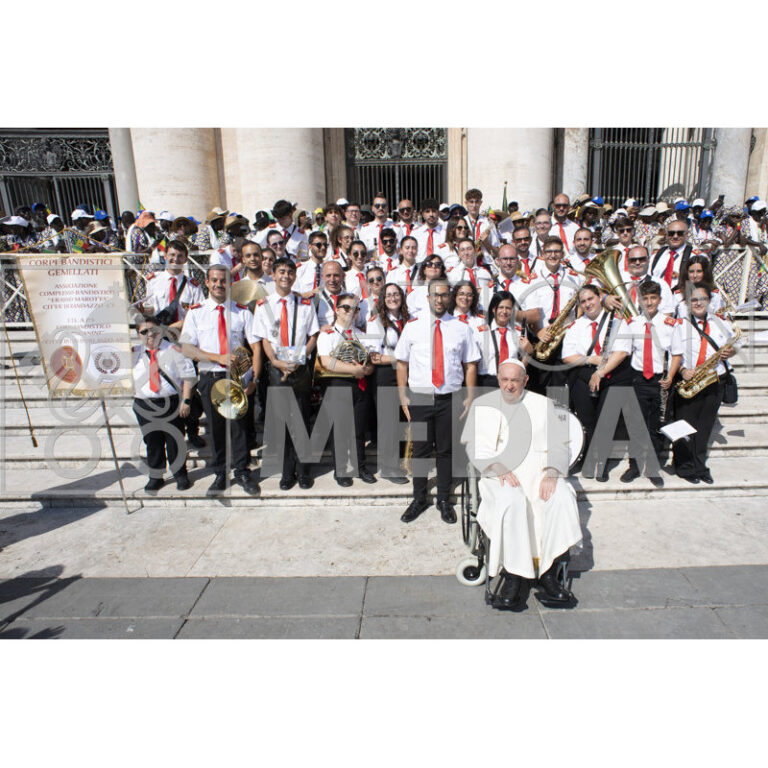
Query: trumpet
{"x": 227, "y": 395}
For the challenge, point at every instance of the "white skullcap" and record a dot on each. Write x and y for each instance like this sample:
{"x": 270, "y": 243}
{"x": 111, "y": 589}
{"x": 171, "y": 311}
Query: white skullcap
{"x": 512, "y": 361}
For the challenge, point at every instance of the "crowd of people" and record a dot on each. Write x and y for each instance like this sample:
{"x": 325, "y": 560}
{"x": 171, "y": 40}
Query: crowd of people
{"x": 435, "y": 300}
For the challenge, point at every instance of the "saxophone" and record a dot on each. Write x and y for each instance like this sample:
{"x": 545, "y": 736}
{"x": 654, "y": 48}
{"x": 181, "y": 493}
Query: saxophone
{"x": 705, "y": 374}
{"x": 544, "y": 349}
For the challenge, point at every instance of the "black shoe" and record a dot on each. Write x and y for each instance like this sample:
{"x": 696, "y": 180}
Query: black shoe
{"x": 154, "y": 485}
{"x": 196, "y": 441}
{"x": 602, "y": 477}
{"x": 399, "y": 479}
{"x": 657, "y": 481}
{"x": 446, "y": 511}
{"x": 218, "y": 486}
{"x": 552, "y": 588}
{"x": 690, "y": 478}
{"x": 344, "y": 482}
{"x": 508, "y": 595}
{"x": 706, "y": 477}
{"x": 305, "y": 481}
{"x": 183, "y": 483}
{"x": 287, "y": 483}
{"x": 367, "y": 477}
{"x": 630, "y": 474}
{"x": 415, "y": 508}
{"x": 248, "y": 483}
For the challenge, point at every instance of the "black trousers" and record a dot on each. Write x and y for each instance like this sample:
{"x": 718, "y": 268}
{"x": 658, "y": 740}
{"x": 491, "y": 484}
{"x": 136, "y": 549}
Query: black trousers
{"x": 163, "y": 431}
{"x": 291, "y": 464}
{"x": 690, "y": 454}
{"x": 222, "y": 430}
{"x": 438, "y": 419}
{"x": 360, "y": 406}
{"x": 384, "y": 376}
{"x": 648, "y": 392}
{"x": 192, "y": 422}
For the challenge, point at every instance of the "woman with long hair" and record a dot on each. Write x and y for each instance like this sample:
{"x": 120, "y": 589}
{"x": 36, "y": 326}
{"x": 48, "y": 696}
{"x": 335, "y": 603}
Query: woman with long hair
{"x": 405, "y": 273}
{"x": 431, "y": 268}
{"x": 698, "y": 272}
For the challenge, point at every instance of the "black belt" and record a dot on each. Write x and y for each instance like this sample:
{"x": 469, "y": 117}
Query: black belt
{"x": 214, "y": 374}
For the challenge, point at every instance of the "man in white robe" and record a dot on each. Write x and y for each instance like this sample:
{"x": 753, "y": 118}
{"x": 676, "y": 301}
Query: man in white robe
{"x": 518, "y": 442}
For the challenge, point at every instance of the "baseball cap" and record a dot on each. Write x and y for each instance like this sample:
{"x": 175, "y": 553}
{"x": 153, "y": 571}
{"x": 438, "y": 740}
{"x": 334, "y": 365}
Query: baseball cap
{"x": 698, "y": 203}
{"x": 707, "y": 214}
{"x": 682, "y": 206}
{"x": 759, "y": 206}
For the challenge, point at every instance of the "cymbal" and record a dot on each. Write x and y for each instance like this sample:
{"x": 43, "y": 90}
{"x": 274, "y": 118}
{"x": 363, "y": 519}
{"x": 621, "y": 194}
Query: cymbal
{"x": 245, "y": 291}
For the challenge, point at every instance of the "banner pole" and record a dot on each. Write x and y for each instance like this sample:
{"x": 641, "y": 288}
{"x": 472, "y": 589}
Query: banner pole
{"x": 114, "y": 455}
{"x": 18, "y": 383}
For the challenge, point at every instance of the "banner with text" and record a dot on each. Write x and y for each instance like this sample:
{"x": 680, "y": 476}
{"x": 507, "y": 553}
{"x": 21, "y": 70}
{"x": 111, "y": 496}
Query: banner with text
{"x": 78, "y": 307}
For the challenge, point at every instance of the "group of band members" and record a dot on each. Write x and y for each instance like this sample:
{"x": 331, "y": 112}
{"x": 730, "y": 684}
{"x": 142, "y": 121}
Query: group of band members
{"x": 436, "y": 307}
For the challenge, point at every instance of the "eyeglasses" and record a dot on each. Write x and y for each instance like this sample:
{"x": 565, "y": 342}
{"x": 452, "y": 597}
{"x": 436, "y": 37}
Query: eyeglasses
{"x": 465, "y": 228}
{"x": 560, "y": 205}
{"x": 625, "y": 229}
{"x": 445, "y": 295}
{"x": 153, "y": 331}
{"x": 375, "y": 279}
{"x": 676, "y": 232}
{"x": 348, "y": 308}
{"x": 435, "y": 264}
{"x": 404, "y": 210}
{"x": 379, "y": 205}
{"x": 699, "y": 301}
{"x": 318, "y": 244}
{"x": 553, "y": 253}
{"x": 638, "y": 261}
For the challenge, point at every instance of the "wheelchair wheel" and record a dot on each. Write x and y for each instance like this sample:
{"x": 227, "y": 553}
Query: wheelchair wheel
{"x": 470, "y": 573}
{"x": 466, "y": 527}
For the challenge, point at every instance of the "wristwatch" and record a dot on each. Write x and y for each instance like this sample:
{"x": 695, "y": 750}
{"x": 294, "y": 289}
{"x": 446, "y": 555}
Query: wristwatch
{"x": 187, "y": 401}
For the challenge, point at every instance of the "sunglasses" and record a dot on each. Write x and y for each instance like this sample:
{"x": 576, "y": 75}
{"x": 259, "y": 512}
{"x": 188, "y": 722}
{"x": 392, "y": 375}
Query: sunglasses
{"x": 358, "y": 253}
{"x": 375, "y": 279}
{"x": 625, "y": 229}
{"x": 466, "y": 229}
{"x": 560, "y": 205}
{"x": 153, "y": 331}
{"x": 316, "y": 244}
{"x": 638, "y": 261}
{"x": 379, "y": 205}
{"x": 405, "y": 210}
{"x": 676, "y": 232}
{"x": 387, "y": 239}
{"x": 435, "y": 264}
{"x": 348, "y": 308}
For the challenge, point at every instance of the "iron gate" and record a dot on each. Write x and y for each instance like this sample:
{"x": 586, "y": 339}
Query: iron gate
{"x": 60, "y": 169}
{"x": 402, "y": 163}
{"x": 650, "y": 164}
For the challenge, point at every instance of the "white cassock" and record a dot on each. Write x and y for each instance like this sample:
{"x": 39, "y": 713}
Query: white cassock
{"x": 524, "y": 531}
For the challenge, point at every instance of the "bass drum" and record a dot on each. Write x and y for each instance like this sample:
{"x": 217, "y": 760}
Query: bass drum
{"x": 576, "y": 440}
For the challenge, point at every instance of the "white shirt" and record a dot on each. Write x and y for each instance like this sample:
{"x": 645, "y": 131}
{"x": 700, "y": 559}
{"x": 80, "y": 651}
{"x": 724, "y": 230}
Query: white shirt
{"x": 170, "y": 362}
{"x": 307, "y": 276}
{"x": 570, "y": 228}
{"x": 355, "y": 281}
{"x": 488, "y": 340}
{"x": 378, "y": 340}
{"x": 266, "y": 281}
{"x": 578, "y": 338}
{"x": 422, "y": 238}
{"x": 201, "y": 329}
{"x": 159, "y": 292}
{"x": 417, "y": 300}
{"x": 667, "y": 305}
{"x": 325, "y": 308}
{"x": 387, "y": 263}
{"x": 517, "y": 286}
{"x": 294, "y": 237}
{"x": 329, "y": 340}
{"x": 686, "y": 341}
{"x": 660, "y": 267}
{"x": 415, "y": 348}
{"x": 532, "y": 265}
{"x": 269, "y": 312}
{"x": 223, "y": 256}
{"x": 541, "y": 293}
{"x": 477, "y": 228}
{"x": 662, "y": 329}
{"x": 482, "y": 277}
{"x": 371, "y": 233}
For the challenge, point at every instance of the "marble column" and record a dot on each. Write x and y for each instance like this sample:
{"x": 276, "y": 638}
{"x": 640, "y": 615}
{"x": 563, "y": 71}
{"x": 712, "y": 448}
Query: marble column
{"x": 757, "y": 176}
{"x": 263, "y": 165}
{"x": 575, "y": 162}
{"x": 125, "y": 169}
{"x": 520, "y": 156}
{"x": 177, "y": 169}
{"x": 730, "y": 164}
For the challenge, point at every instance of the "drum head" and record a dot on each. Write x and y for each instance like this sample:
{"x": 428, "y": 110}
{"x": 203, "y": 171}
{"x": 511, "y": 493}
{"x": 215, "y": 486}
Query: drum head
{"x": 576, "y": 440}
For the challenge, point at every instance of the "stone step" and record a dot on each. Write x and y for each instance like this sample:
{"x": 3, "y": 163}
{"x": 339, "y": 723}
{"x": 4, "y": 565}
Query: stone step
{"x": 733, "y": 477}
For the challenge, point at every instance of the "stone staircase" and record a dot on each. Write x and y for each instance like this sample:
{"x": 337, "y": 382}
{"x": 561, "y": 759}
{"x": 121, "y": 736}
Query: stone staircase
{"x": 73, "y": 464}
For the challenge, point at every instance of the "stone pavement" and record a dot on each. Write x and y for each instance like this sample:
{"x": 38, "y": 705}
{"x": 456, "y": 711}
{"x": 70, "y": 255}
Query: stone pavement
{"x": 709, "y": 602}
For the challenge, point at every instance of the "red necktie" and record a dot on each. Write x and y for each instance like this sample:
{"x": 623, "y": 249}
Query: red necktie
{"x": 223, "y": 346}
{"x": 633, "y": 292}
{"x": 647, "y": 353}
{"x": 626, "y": 259}
{"x": 361, "y": 280}
{"x": 284, "y": 323}
{"x": 399, "y": 325}
{"x": 408, "y": 288}
{"x": 562, "y": 236}
{"x": 171, "y": 297}
{"x": 154, "y": 371}
{"x": 506, "y": 284}
{"x": 670, "y": 268}
{"x": 526, "y": 267}
{"x": 430, "y": 243}
{"x": 389, "y": 263}
{"x": 472, "y": 278}
{"x": 438, "y": 374}
{"x": 703, "y": 347}
{"x": 477, "y": 230}
{"x": 361, "y": 383}
{"x": 463, "y": 318}
{"x": 381, "y": 250}
{"x": 503, "y": 348}
{"x": 556, "y": 299}
{"x": 597, "y": 349}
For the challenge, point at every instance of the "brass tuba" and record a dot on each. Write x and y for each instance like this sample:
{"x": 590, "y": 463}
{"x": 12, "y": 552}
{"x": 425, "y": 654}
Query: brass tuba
{"x": 227, "y": 395}
{"x": 605, "y": 267}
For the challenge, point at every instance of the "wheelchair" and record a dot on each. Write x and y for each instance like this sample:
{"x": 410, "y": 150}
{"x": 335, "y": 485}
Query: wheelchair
{"x": 472, "y": 571}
